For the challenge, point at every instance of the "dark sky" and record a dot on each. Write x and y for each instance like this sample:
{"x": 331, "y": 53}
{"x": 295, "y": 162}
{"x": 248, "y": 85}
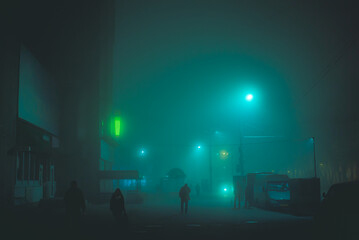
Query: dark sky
{"x": 182, "y": 68}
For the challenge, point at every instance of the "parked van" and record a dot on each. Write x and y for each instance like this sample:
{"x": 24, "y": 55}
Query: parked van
{"x": 268, "y": 190}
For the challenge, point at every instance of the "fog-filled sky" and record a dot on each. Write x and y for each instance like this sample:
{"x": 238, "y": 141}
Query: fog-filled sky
{"x": 182, "y": 69}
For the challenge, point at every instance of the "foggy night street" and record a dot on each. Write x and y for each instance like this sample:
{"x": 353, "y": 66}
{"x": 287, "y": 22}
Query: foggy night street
{"x": 179, "y": 119}
{"x": 215, "y": 219}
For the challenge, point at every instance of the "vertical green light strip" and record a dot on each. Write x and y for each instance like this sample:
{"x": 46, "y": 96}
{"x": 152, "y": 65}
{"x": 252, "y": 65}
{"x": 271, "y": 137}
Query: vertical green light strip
{"x": 117, "y": 126}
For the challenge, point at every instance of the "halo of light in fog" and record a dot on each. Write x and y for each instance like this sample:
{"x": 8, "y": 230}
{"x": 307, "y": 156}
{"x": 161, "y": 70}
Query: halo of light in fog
{"x": 249, "y": 97}
{"x": 142, "y": 152}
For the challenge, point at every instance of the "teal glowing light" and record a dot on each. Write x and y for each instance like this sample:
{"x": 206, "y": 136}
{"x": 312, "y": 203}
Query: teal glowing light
{"x": 198, "y": 147}
{"x": 249, "y": 97}
{"x": 142, "y": 152}
{"x": 225, "y": 189}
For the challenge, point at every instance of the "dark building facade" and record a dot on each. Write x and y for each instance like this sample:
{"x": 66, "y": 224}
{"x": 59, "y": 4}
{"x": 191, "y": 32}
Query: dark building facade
{"x": 71, "y": 42}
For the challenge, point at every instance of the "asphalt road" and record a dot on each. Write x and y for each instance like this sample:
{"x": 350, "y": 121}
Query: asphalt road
{"x": 208, "y": 218}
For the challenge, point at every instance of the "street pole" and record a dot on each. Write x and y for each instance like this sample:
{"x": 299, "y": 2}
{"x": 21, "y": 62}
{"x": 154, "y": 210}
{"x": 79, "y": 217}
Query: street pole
{"x": 240, "y": 149}
{"x": 249, "y": 98}
{"x": 241, "y": 168}
{"x": 315, "y": 161}
{"x": 210, "y": 167}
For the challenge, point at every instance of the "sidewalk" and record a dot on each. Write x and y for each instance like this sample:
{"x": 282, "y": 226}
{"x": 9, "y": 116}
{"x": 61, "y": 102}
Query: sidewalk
{"x": 160, "y": 216}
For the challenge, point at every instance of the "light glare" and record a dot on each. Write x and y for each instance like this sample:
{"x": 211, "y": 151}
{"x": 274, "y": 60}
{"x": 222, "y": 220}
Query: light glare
{"x": 249, "y": 97}
{"x": 117, "y": 127}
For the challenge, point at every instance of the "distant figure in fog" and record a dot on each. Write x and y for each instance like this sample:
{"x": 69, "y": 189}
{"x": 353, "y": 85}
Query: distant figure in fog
{"x": 184, "y": 195}
{"x": 198, "y": 188}
{"x": 74, "y": 205}
{"x": 237, "y": 195}
{"x": 247, "y": 196}
{"x": 117, "y": 204}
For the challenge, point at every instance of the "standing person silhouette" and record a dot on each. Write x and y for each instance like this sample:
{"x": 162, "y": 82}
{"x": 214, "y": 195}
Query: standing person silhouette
{"x": 117, "y": 204}
{"x": 74, "y": 206}
{"x": 184, "y": 195}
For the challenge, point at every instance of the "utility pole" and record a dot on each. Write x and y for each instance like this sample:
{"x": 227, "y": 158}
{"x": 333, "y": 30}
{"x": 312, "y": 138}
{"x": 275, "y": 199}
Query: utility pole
{"x": 315, "y": 161}
{"x": 240, "y": 168}
{"x": 240, "y": 160}
{"x": 210, "y": 167}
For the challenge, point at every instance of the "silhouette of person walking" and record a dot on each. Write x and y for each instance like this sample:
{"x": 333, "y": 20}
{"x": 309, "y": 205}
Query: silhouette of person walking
{"x": 74, "y": 205}
{"x": 184, "y": 195}
{"x": 117, "y": 205}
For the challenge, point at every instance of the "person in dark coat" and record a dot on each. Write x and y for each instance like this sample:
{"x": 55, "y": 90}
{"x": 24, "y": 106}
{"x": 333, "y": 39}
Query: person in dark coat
{"x": 74, "y": 205}
{"x": 184, "y": 195}
{"x": 117, "y": 204}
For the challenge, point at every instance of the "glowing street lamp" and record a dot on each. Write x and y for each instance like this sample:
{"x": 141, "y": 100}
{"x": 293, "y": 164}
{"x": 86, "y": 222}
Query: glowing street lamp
{"x": 249, "y": 97}
{"x": 142, "y": 152}
{"x": 223, "y": 154}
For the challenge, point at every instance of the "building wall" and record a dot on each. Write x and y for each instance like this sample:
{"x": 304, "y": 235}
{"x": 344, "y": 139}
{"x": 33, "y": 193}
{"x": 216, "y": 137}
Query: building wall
{"x": 330, "y": 114}
{"x": 82, "y": 72}
{"x": 9, "y": 65}
{"x": 73, "y": 40}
